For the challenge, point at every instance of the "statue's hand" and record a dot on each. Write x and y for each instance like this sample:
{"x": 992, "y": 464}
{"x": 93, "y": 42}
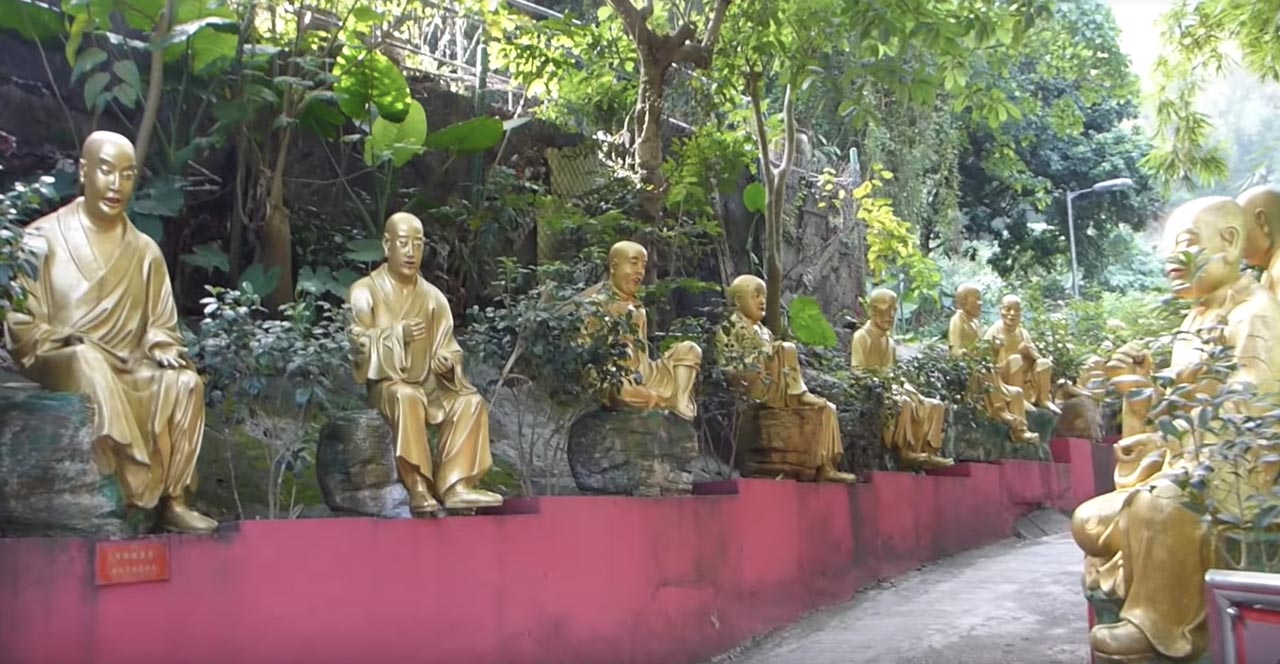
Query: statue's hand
{"x": 66, "y": 336}
{"x": 442, "y": 364}
{"x": 414, "y": 330}
{"x": 166, "y": 357}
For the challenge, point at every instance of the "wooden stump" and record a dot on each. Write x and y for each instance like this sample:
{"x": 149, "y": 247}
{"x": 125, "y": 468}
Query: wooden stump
{"x": 782, "y": 442}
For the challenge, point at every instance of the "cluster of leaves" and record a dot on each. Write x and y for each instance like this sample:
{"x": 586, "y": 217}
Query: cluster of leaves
{"x": 893, "y": 248}
{"x": 274, "y": 379}
{"x": 20, "y": 205}
{"x": 1229, "y": 433}
{"x": 1199, "y": 38}
{"x": 541, "y": 332}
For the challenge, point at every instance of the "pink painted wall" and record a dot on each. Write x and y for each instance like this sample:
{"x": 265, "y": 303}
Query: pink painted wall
{"x": 567, "y": 580}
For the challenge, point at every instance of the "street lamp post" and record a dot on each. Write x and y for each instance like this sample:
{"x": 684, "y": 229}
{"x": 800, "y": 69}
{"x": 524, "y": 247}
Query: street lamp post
{"x": 1105, "y": 185}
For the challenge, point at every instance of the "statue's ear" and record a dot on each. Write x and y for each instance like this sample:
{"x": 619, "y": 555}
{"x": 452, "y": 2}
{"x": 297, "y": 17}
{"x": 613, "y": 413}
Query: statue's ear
{"x": 1232, "y": 237}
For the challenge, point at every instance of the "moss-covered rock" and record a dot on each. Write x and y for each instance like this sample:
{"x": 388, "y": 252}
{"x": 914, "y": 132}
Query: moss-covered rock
{"x": 49, "y": 479}
{"x": 634, "y": 452}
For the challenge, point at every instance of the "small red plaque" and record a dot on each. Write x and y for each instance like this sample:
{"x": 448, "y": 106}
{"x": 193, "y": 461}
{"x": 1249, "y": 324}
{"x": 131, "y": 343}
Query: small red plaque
{"x": 132, "y": 561}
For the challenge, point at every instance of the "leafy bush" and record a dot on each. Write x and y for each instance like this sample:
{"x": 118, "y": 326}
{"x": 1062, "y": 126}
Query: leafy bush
{"x": 273, "y": 380}
{"x": 21, "y": 205}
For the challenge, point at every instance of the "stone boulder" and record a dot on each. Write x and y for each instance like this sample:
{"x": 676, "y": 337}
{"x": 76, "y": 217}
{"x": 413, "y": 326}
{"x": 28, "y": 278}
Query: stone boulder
{"x": 635, "y": 452}
{"x": 49, "y": 479}
{"x": 356, "y": 466}
{"x": 1081, "y": 418}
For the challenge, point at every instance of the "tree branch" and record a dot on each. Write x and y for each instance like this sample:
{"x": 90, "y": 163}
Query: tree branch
{"x": 789, "y": 134}
{"x": 632, "y": 20}
{"x": 762, "y": 132}
{"x": 713, "y": 28}
{"x": 155, "y": 82}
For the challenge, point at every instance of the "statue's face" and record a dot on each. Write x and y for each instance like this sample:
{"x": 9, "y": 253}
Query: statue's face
{"x": 404, "y": 242}
{"x": 1011, "y": 313}
{"x": 971, "y": 304}
{"x": 883, "y": 312}
{"x": 751, "y": 303}
{"x": 626, "y": 271}
{"x": 1213, "y": 263}
{"x": 107, "y": 170}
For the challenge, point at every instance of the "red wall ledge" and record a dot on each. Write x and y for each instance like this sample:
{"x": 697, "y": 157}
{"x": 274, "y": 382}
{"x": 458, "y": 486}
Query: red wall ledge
{"x": 563, "y": 580}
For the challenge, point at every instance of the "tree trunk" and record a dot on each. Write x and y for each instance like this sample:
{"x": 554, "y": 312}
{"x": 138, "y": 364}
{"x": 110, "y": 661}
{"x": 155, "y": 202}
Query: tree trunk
{"x": 155, "y": 83}
{"x": 649, "y": 138}
{"x": 775, "y": 187}
{"x": 277, "y": 241}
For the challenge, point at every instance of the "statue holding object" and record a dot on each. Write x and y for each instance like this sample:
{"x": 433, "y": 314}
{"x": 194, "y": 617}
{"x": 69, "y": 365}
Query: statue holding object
{"x": 768, "y": 373}
{"x": 102, "y": 322}
{"x": 1018, "y": 361}
{"x": 406, "y": 354}
{"x": 916, "y": 433}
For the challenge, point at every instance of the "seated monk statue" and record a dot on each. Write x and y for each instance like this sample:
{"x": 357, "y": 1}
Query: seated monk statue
{"x": 916, "y": 433}
{"x": 1003, "y": 402}
{"x": 1262, "y": 232}
{"x": 770, "y": 373}
{"x": 663, "y": 384}
{"x": 102, "y": 322}
{"x": 1142, "y": 546}
{"x": 1017, "y": 359}
{"x": 406, "y": 354}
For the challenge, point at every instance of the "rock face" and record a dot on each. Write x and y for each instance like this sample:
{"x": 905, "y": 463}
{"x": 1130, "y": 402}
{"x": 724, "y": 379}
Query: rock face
{"x": 356, "y": 466}
{"x": 634, "y": 452}
{"x": 783, "y": 442}
{"x": 1081, "y": 418}
{"x": 49, "y": 479}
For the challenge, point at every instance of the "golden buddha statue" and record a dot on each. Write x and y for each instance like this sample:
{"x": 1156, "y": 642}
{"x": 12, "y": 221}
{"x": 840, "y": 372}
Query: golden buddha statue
{"x": 768, "y": 372}
{"x": 1141, "y": 545}
{"x": 916, "y": 433}
{"x": 1262, "y": 232}
{"x": 1017, "y": 360}
{"x": 405, "y": 352}
{"x": 1001, "y": 401}
{"x": 663, "y": 384}
{"x": 102, "y": 322}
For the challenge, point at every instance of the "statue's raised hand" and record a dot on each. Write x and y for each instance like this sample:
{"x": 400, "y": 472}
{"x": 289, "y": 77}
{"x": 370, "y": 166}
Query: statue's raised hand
{"x": 166, "y": 357}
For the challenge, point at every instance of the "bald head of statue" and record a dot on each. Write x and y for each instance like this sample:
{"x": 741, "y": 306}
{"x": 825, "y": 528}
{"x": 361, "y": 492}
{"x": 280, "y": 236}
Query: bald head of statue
{"x": 1261, "y": 206}
{"x": 747, "y": 293}
{"x": 884, "y": 308}
{"x": 627, "y": 262}
{"x": 404, "y": 242}
{"x": 1210, "y": 232}
{"x": 108, "y": 171}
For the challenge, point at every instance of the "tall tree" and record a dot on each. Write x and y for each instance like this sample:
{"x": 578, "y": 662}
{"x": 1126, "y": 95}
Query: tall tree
{"x": 1078, "y": 90}
{"x": 1199, "y": 39}
{"x": 657, "y": 51}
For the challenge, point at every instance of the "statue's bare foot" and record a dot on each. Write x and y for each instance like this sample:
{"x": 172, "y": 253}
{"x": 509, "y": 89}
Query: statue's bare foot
{"x": 685, "y": 411}
{"x": 829, "y": 474}
{"x": 1121, "y": 643}
{"x": 459, "y": 497}
{"x": 1029, "y": 438}
{"x": 935, "y": 461}
{"x": 421, "y": 504}
{"x": 1050, "y": 406}
{"x": 811, "y": 400}
{"x": 179, "y": 518}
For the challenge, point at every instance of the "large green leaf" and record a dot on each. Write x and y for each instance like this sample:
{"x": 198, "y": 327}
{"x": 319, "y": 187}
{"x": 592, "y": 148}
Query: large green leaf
{"x": 366, "y": 250}
{"x": 149, "y": 224}
{"x": 368, "y": 78}
{"x": 257, "y": 279}
{"x": 809, "y": 325}
{"x": 88, "y": 60}
{"x": 320, "y": 114}
{"x": 208, "y": 256}
{"x": 32, "y": 21}
{"x": 469, "y": 136}
{"x": 163, "y": 197}
{"x": 208, "y": 30}
{"x": 754, "y": 197}
{"x": 399, "y": 142}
